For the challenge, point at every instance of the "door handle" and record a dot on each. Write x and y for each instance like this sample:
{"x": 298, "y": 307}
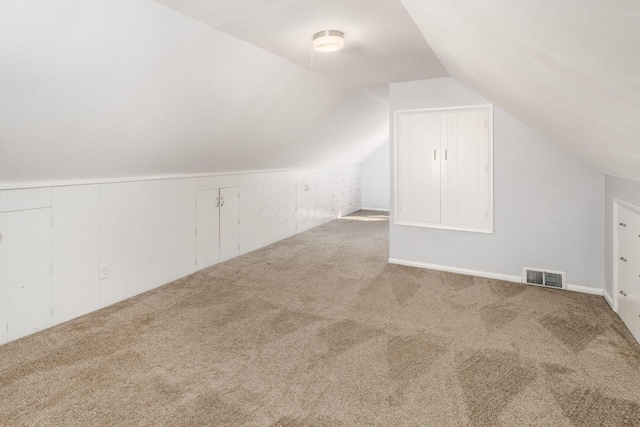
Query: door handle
{"x": 623, "y": 224}
{"x": 623, "y": 259}
{"x": 217, "y": 202}
{"x": 446, "y": 154}
{"x": 221, "y": 201}
{"x": 622, "y": 293}
{"x": 434, "y": 154}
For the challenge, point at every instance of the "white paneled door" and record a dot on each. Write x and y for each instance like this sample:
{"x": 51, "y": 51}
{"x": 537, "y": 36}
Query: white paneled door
{"x": 29, "y": 271}
{"x": 4, "y": 276}
{"x": 443, "y": 168}
{"x": 418, "y": 168}
{"x": 208, "y": 228}
{"x": 229, "y": 225}
{"x": 627, "y": 263}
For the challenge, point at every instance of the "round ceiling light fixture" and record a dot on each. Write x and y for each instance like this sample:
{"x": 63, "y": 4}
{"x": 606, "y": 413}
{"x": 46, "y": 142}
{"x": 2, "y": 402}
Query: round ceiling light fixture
{"x": 328, "y": 41}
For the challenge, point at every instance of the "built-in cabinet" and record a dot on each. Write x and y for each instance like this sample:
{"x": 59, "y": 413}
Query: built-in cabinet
{"x": 29, "y": 271}
{"x": 68, "y": 250}
{"x": 627, "y": 264}
{"x": 25, "y": 262}
{"x": 307, "y": 209}
{"x": 443, "y": 168}
{"x": 217, "y": 228}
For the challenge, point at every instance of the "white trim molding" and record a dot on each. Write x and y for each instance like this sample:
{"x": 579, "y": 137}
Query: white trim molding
{"x": 92, "y": 181}
{"x": 465, "y": 271}
{"x": 490, "y": 275}
{"x": 374, "y": 209}
{"x": 585, "y": 290}
{"x": 609, "y": 300}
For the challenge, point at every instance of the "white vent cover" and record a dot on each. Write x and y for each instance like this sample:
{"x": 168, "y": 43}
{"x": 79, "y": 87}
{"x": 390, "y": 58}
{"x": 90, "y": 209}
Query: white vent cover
{"x": 551, "y": 279}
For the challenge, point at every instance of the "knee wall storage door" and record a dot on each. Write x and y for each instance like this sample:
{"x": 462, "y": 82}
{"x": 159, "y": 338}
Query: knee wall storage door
{"x": 444, "y": 168}
{"x": 217, "y": 232}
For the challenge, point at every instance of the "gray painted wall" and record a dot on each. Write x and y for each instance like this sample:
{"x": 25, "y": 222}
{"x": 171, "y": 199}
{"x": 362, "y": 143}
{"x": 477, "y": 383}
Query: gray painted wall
{"x": 376, "y": 182}
{"x": 622, "y": 189}
{"x": 549, "y": 204}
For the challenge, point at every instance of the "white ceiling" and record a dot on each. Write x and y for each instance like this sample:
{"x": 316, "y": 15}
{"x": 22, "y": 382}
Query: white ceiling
{"x": 120, "y": 88}
{"x": 382, "y": 42}
{"x": 569, "y": 69}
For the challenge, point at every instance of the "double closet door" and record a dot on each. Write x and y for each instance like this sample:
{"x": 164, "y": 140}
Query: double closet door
{"x": 443, "y": 168}
{"x": 217, "y": 232}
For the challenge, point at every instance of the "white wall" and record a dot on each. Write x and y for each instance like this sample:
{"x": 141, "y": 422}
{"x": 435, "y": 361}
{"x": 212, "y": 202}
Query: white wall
{"x": 625, "y": 190}
{"x": 115, "y": 88}
{"x": 54, "y": 240}
{"x": 548, "y": 204}
{"x": 376, "y": 180}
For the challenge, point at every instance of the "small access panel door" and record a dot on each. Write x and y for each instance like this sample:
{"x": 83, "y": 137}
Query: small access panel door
{"x": 28, "y": 272}
{"x": 229, "y": 225}
{"x": 208, "y": 228}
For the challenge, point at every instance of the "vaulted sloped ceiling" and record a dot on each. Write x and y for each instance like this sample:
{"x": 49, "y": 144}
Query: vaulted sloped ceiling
{"x": 112, "y": 88}
{"x": 568, "y": 68}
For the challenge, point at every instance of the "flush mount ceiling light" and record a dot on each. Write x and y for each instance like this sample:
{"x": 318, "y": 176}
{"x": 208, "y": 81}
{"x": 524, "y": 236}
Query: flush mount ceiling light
{"x": 328, "y": 41}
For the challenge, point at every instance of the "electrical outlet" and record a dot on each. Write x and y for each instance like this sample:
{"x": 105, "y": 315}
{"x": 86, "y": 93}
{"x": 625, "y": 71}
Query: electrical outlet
{"x": 104, "y": 271}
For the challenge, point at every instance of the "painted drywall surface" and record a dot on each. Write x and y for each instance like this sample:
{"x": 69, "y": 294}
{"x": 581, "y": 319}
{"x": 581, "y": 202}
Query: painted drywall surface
{"x": 568, "y": 69}
{"x": 627, "y": 191}
{"x": 119, "y": 88}
{"x": 141, "y": 232}
{"x": 548, "y": 204}
{"x": 376, "y": 181}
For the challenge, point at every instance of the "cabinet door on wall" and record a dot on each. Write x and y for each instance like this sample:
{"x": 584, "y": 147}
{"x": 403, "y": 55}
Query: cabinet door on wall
{"x": 418, "y": 167}
{"x": 4, "y": 276}
{"x": 305, "y": 203}
{"x": 465, "y": 172}
{"x": 29, "y": 271}
{"x": 627, "y": 266}
{"x": 443, "y": 169}
{"x": 218, "y": 230}
{"x": 229, "y": 227}
{"x": 208, "y": 231}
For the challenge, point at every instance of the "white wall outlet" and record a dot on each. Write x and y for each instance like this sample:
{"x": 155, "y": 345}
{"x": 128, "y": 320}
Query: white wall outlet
{"x": 104, "y": 271}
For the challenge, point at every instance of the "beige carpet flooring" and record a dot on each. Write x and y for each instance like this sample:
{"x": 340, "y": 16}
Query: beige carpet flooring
{"x": 318, "y": 330}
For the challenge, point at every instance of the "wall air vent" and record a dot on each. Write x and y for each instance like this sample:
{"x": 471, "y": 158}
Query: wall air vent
{"x": 548, "y": 278}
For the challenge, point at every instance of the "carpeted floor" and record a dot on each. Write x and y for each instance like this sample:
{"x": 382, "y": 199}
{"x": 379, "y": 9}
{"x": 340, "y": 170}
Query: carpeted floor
{"x": 318, "y": 330}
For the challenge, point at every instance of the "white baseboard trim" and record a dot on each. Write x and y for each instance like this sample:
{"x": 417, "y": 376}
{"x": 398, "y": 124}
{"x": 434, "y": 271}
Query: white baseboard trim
{"x": 489, "y": 275}
{"x": 585, "y": 290}
{"x": 465, "y": 271}
{"x": 609, "y": 300}
{"x": 374, "y": 209}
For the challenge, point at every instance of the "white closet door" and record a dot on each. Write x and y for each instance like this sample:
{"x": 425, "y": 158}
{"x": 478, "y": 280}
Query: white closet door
{"x": 29, "y": 272}
{"x": 466, "y": 176}
{"x": 229, "y": 227}
{"x": 4, "y": 276}
{"x": 418, "y": 152}
{"x": 208, "y": 220}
